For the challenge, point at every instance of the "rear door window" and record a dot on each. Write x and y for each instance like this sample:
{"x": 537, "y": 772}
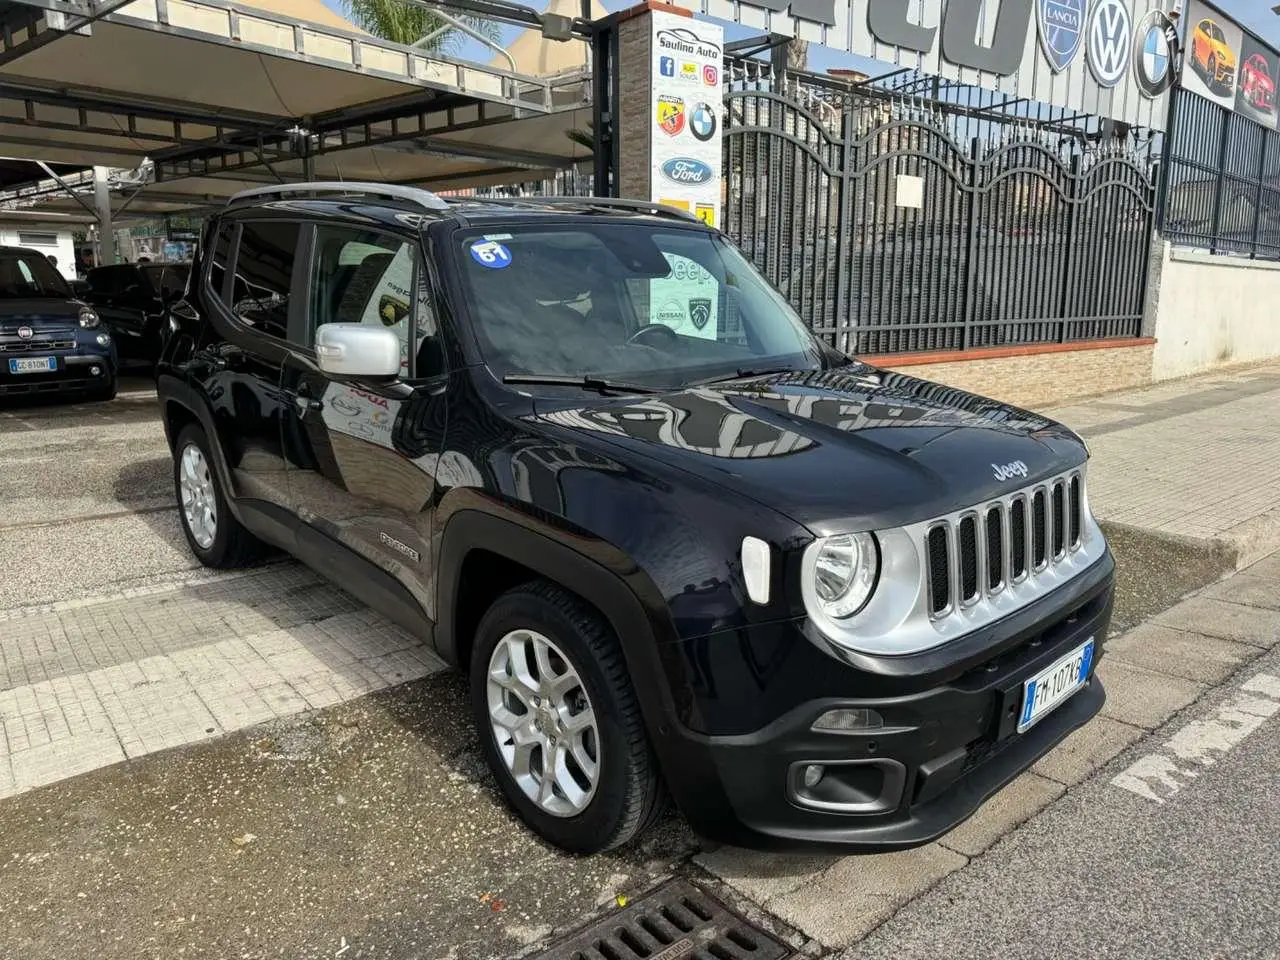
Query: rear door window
{"x": 264, "y": 274}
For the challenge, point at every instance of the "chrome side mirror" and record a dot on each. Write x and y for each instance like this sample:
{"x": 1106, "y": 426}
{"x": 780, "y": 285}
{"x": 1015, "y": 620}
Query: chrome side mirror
{"x": 357, "y": 350}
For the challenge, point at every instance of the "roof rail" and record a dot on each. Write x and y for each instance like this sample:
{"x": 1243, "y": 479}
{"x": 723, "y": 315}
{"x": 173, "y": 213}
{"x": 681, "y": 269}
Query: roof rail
{"x": 618, "y": 203}
{"x": 423, "y": 198}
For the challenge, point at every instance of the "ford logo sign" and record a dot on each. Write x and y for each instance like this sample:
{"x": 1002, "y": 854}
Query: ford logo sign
{"x": 687, "y": 171}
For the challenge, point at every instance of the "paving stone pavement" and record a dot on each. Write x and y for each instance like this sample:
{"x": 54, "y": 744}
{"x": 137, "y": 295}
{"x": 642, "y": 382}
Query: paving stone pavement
{"x": 91, "y": 682}
{"x": 1198, "y": 458}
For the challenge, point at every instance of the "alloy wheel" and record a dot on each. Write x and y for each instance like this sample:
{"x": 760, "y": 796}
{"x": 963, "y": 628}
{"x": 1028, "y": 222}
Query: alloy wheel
{"x": 544, "y": 723}
{"x": 199, "y": 498}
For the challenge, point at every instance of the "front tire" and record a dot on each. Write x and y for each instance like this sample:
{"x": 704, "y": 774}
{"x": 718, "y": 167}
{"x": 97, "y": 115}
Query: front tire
{"x": 559, "y": 722}
{"x": 213, "y": 533}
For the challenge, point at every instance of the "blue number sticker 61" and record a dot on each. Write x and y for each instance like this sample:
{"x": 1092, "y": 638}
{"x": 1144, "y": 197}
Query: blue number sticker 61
{"x": 491, "y": 254}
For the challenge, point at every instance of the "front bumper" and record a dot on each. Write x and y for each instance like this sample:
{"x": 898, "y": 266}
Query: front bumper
{"x": 76, "y": 372}
{"x": 947, "y": 745}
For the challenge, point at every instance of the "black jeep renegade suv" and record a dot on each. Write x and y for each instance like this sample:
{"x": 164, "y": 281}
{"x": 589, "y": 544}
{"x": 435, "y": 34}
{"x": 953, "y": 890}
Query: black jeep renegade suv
{"x": 678, "y": 544}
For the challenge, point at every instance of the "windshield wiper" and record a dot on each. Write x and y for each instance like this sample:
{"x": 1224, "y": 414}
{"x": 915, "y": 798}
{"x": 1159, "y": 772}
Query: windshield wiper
{"x": 744, "y": 372}
{"x": 587, "y": 382}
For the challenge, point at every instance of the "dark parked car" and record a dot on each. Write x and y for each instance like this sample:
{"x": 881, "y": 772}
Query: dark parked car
{"x": 679, "y": 546}
{"x": 50, "y": 342}
{"x": 132, "y": 298}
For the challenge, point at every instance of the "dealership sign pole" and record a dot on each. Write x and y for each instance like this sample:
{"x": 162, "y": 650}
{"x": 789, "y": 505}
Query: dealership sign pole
{"x": 686, "y": 83}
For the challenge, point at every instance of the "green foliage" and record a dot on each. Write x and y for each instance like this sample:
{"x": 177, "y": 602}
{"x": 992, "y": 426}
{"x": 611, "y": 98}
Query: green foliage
{"x": 407, "y": 24}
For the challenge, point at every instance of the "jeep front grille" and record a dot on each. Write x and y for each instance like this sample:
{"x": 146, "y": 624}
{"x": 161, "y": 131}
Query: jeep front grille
{"x": 983, "y": 550}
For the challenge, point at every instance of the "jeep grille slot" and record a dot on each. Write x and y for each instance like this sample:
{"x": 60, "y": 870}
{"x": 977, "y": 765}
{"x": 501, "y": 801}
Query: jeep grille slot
{"x": 968, "y": 559}
{"x": 1039, "y": 530}
{"x": 1018, "y": 540}
{"x": 1018, "y": 536}
{"x": 939, "y": 570}
{"x": 1075, "y": 513}
{"x": 995, "y": 548}
{"x": 1059, "y": 517}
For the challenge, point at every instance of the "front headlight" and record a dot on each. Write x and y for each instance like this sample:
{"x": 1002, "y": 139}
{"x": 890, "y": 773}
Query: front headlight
{"x": 845, "y": 572}
{"x": 89, "y": 318}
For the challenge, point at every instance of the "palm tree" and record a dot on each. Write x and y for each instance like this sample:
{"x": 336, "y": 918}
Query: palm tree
{"x": 407, "y": 23}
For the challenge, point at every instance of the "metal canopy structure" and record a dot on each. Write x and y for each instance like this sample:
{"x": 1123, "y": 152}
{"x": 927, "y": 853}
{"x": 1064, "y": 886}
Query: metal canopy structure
{"x": 218, "y": 95}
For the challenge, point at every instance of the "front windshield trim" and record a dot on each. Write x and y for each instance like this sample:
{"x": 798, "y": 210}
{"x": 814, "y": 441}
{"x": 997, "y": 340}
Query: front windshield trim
{"x": 787, "y": 342}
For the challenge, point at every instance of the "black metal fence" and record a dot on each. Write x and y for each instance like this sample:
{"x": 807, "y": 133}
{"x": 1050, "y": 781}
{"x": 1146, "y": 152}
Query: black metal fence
{"x": 897, "y": 224}
{"x": 1223, "y": 190}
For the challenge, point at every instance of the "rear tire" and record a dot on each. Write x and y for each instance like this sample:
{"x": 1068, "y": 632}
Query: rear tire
{"x": 603, "y": 787}
{"x": 213, "y": 533}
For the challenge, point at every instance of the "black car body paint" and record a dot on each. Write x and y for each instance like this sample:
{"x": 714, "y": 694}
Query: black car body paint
{"x": 413, "y": 492}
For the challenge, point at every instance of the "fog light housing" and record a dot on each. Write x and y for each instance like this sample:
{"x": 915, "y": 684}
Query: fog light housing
{"x": 95, "y": 370}
{"x": 812, "y": 775}
{"x": 848, "y": 720}
{"x": 104, "y": 339}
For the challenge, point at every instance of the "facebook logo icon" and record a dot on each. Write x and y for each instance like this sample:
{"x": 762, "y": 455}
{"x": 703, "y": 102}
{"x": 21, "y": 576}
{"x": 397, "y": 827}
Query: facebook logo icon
{"x": 667, "y": 66}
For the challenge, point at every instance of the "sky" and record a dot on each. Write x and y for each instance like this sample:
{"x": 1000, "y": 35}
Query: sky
{"x": 1254, "y": 14}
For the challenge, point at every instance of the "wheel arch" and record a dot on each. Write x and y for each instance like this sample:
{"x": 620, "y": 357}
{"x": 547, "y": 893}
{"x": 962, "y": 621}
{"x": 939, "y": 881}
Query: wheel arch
{"x": 609, "y": 582}
{"x": 181, "y": 405}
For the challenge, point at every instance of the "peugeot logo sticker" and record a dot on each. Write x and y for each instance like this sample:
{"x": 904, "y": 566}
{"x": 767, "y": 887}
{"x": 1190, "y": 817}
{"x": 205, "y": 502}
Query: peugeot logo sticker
{"x": 687, "y": 171}
{"x": 1110, "y": 42}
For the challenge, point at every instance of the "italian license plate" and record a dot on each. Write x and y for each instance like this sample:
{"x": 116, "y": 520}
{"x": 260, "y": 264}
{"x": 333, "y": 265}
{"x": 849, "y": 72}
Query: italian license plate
{"x": 1050, "y": 688}
{"x": 32, "y": 364}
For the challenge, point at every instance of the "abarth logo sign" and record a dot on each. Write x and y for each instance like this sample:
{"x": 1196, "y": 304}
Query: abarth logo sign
{"x": 671, "y": 115}
{"x": 1061, "y": 24}
{"x": 1010, "y": 470}
{"x": 1110, "y": 42}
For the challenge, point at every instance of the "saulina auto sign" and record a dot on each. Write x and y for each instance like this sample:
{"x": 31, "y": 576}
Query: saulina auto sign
{"x": 1035, "y": 50}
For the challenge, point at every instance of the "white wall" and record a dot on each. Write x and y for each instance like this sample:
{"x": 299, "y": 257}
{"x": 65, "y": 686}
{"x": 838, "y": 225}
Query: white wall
{"x": 63, "y": 247}
{"x": 1214, "y": 310}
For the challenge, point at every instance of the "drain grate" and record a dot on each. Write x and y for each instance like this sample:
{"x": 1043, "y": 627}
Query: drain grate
{"x": 677, "y": 921}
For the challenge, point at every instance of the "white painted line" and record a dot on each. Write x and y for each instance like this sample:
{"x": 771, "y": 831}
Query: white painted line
{"x": 1202, "y": 743}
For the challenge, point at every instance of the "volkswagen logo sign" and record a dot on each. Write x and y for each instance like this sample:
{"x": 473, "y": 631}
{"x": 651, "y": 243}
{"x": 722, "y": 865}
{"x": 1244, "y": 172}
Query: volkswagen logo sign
{"x": 687, "y": 171}
{"x": 25, "y": 333}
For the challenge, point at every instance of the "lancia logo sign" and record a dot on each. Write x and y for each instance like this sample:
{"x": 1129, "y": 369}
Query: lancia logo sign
{"x": 25, "y": 333}
{"x": 1061, "y": 24}
{"x": 1110, "y": 42}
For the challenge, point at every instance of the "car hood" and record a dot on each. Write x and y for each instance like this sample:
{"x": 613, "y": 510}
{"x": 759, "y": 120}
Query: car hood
{"x": 38, "y": 311}
{"x": 854, "y": 448}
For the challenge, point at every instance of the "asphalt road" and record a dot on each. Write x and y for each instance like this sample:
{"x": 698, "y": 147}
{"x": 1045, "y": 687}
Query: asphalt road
{"x": 1107, "y": 872}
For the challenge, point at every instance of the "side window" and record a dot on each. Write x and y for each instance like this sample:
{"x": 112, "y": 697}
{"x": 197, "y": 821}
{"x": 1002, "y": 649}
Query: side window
{"x": 221, "y": 251}
{"x": 263, "y": 274}
{"x": 364, "y": 277}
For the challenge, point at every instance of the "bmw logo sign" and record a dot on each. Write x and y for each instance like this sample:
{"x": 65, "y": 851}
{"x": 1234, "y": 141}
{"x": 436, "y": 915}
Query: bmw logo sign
{"x": 1151, "y": 60}
{"x": 702, "y": 122}
{"x": 687, "y": 171}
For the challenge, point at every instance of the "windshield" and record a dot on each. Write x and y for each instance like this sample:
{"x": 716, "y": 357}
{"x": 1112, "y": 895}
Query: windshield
{"x": 24, "y": 275}
{"x": 628, "y": 301}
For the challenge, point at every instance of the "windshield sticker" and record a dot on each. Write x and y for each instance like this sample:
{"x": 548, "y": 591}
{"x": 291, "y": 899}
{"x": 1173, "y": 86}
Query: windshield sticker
{"x": 497, "y": 236}
{"x": 491, "y": 254}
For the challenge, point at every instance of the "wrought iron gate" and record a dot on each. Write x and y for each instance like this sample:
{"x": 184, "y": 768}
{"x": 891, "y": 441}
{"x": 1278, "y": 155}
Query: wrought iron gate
{"x": 891, "y": 228}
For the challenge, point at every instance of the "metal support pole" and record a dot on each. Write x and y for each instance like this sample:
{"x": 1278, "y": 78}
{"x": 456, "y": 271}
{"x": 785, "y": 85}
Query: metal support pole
{"x": 102, "y": 200}
{"x": 1217, "y": 190}
{"x": 604, "y": 80}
